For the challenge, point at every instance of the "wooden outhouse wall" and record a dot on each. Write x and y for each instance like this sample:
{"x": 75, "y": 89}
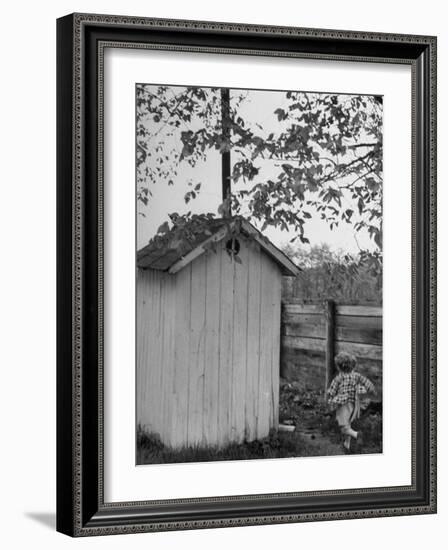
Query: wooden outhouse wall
{"x": 208, "y": 347}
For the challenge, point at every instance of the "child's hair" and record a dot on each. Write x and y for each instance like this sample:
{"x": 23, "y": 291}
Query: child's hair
{"x": 345, "y": 362}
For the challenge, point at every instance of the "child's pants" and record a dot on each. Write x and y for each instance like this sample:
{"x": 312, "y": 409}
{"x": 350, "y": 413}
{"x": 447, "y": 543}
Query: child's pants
{"x": 344, "y": 418}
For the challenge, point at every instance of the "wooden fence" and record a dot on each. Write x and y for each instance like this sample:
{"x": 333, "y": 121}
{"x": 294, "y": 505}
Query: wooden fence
{"x": 313, "y": 333}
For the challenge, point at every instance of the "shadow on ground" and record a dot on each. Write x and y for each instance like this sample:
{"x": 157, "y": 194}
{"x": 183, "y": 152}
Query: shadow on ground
{"x": 47, "y": 519}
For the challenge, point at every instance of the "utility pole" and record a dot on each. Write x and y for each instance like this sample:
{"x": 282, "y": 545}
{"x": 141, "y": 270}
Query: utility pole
{"x": 225, "y": 155}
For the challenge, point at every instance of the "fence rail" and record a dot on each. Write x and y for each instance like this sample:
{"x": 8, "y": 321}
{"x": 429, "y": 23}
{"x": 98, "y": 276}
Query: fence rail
{"x": 313, "y": 333}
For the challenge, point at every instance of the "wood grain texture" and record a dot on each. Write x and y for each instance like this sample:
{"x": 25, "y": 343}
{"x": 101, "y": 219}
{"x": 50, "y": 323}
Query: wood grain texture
{"x": 369, "y": 351}
{"x": 315, "y": 319}
{"x": 268, "y": 295}
{"x": 239, "y": 349}
{"x": 358, "y": 321}
{"x": 180, "y": 397}
{"x": 302, "y": 308}
{"x": 211, "y": 366}
{"x": 225, "y": 347}
{"x": 365, "y": 311}
{"x": 276, "y": 342}
{"x": 329, "y": 342}
{"x": 196, "y": 365}
{"x": 208, "y": 348}
{"x": 253, "y": 342}
{"x": 359, "y": 335}
{"x": 357, "y": 330}
{"x": 208, "y": 340}
{"x": 168, "y": 359}
{"x": 304, "y": 330}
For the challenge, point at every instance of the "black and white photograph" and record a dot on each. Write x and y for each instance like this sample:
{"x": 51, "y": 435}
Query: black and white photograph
{"x": 223, "y": 237}
{"x": 258, "y": 273}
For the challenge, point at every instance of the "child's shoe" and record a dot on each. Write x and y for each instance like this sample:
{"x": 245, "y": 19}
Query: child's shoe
{"x": 346, "y": 443}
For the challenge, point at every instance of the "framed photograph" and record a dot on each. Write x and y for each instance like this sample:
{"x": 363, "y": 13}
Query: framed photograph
{"x": 246, "y": 274}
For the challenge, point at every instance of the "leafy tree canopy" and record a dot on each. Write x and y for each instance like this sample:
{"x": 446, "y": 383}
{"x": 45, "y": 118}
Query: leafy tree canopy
{"x": 327, "y": 150}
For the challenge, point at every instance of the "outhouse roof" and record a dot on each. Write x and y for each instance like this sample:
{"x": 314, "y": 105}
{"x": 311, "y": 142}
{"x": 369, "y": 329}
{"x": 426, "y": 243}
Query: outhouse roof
{"x": 173, "y": 252}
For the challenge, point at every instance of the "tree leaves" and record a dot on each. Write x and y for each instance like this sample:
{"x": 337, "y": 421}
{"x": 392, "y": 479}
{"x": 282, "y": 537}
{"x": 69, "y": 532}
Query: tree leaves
{"x": 281, "y": 114}
{"x": 164, "y": 228}
{"x": 327, "y": 149}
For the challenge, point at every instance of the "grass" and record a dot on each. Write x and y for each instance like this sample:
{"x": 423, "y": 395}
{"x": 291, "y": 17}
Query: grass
{"x": 150, "y": 450}
{"x": 306, "y": 409}
{"x": 317, "y": 434}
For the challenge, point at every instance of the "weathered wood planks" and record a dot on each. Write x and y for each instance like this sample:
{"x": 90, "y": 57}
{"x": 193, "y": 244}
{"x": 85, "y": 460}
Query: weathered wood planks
{"x": 211, "y": 370}
{"x": 267, "y": 288}
{"x": 369, "y": 351}
{"x": 253, "y": 342}
{"x": 208, "y": 347}
{"x": 196, "y": 362}
{"x": 225, "y": 343}
{"x": 239, "y": 355}
{"x": 357, "y": 330}
{"x": 358, "y": 334}
{"x": 180, "y": 384}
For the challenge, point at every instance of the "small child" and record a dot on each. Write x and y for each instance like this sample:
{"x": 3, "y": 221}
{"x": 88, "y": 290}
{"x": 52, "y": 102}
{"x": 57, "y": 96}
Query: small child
{"x": 343, "y": 394}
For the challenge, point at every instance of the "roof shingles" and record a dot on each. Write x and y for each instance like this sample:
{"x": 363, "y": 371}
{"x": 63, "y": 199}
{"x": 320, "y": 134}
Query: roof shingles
{"x": 162, "y": 253}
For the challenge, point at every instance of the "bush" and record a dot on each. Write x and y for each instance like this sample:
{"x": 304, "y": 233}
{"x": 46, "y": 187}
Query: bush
{"x": 330, "y": 275}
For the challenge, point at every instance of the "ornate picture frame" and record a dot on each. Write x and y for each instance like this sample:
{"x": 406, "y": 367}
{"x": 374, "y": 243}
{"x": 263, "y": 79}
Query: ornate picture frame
{"x": 81, "y": 506}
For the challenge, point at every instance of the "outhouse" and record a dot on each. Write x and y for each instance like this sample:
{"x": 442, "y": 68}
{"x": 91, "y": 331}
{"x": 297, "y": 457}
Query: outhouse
{"x": 208, "y": 335}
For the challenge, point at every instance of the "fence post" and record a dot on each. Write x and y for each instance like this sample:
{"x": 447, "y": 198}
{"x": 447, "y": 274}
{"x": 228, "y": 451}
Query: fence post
{"x": 329, "y": 348}
{"x": 283, "y": 367}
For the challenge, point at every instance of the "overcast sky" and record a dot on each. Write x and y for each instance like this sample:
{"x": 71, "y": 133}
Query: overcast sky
{"x": 257, "y": 108}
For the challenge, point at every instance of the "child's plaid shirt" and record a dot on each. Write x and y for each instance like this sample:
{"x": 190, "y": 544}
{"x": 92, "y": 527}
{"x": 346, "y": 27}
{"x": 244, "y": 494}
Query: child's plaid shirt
{"x": 346, "y": 385}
